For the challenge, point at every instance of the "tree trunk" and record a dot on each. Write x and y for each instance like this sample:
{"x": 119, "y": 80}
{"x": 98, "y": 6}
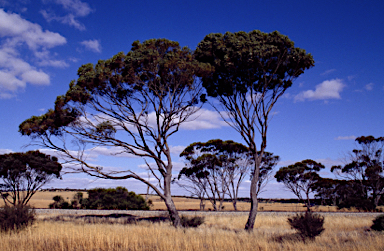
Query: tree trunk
{"x": 173, "y": 213}
{"x": 202, "y": 205}
{"x": 234, "y": 202}
{"x": 253, "y": 192}
{"x": 254, "y": 204}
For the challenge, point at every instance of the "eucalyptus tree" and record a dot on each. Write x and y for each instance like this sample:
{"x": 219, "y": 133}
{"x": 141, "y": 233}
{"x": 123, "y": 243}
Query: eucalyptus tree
{"x": 132, "y": 104}
{"x": 365, "y": 168}
{"x": 300, "y": 178}
{"x": 251, "y": 72}
{"x": 23, "y": 174}
{"x": 217, "y": 168}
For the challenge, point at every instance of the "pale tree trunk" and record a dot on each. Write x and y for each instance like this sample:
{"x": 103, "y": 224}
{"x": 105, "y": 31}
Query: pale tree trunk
{"x": 253, "y": 194}
{"x": 173, "y": 213}
{"x": 202, "y": 205}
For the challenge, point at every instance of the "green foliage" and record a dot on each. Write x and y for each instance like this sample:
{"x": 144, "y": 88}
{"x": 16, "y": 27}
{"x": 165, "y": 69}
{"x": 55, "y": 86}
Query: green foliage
{"x": 300, "y": 178}
{"x": 192, "y": 221}
{"x": 365, "y": 171}
{"x": 255, "y": 60}
{"x": 16, "y": 218}
{"x": 60, "y": 203}
{"x": 22, "y": 174}
{"x": 308, "y": 225}
{"x": 378, "y": 223}
{"x": 114, "y": 198}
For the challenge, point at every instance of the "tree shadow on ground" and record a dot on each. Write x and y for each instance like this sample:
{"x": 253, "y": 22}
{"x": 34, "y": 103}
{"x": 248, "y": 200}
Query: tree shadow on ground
{"x": 293, "y": 237}
{"x": 125, "y": 218}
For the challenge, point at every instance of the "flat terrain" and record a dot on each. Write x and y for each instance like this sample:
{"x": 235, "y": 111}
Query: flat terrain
{"x": 220, "y": 231}
{"x": 42, "y": 199}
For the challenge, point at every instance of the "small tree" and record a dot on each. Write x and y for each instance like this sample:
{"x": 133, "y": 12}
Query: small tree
{"x": 22, "y": 174}
{"x": 300, "y": 178}
{"x": 217, "y": 168}
{"x": 365, "y": 168}
{"x": 251, "y": 72}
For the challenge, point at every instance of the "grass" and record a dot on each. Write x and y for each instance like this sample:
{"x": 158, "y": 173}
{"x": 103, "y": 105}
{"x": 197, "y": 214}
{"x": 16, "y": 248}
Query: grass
{"x": 342, "y": 232}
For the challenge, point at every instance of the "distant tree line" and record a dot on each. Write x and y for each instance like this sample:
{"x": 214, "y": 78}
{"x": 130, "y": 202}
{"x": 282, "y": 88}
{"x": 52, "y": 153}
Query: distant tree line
{"x": 360, "y": 183}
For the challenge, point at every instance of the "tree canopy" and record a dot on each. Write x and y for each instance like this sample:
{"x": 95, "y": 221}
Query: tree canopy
{"x": 22, "y": 174}
{"x": 217, "y": 168}
{"x": 133, "y": 103}
{"x": 300, "y": 178}
{"x": 251, "y": 72}
{"x": 365, "y": 169}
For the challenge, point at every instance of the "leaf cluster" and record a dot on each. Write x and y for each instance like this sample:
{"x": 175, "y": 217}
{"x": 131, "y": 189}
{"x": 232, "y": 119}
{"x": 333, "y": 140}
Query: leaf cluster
{"x": 254, "y": 60}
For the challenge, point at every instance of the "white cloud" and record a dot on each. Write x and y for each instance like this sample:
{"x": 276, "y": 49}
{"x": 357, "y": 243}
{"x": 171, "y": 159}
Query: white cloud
{"x": 20, "y": 30}
{"x": 15, "y": 72}
{"x": 75, "y": 9}
{"x": 204, "y": 119}
{"x": 369, "y": 87}
{"x": 329, "y": 89}
{"x": 352, "y": 137}
{"x": 5, "y": 151}
{"x": 92, "y": 45}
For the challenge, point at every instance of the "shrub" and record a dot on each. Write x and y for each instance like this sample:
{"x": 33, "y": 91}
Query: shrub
{"x": 114, "y": 198}
{"x": 378, "y": 223}
{"x": 15, "y": 218}
{"x": 191, "y": 221}
{"x": 308, "y": 225}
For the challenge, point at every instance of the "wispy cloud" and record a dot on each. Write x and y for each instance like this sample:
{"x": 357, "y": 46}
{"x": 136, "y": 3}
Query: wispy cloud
{"x": 369, "y": 87}
{"x": 74, "y": 9}
{"x": 92, "y": 45}
{"x": 352, "y": 137}
{"x": 329, "y": 89}
{"x": 15, "y": 72}
{"x": 327, "y": 72}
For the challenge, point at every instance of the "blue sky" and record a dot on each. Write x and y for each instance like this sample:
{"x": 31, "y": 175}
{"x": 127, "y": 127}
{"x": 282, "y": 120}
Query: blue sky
{"x": 44, "y": 42}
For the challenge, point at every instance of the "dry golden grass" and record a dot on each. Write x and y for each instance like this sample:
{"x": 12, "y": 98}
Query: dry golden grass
{"x": 343, "y": 232}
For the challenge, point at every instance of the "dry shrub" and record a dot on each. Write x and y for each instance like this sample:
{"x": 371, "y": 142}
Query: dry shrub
{"x": 194, "y": 221}
{"x": 378, "y": 223}
{"x": 308, "y": 225}
{"x": 16, "y": 218}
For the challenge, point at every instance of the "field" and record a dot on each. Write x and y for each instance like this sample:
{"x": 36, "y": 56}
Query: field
{"x": 223, "y": 231}
{"x": 42, "y": 199}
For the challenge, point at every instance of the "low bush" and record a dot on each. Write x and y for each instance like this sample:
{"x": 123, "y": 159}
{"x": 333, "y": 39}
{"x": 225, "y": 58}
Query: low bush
{"x": 15, "y": 218}
{"x": 378, "y": 223}
{"x": 192, "y": 221}
{"x": 114, "y": 198}
{"x": 308, "y": 225}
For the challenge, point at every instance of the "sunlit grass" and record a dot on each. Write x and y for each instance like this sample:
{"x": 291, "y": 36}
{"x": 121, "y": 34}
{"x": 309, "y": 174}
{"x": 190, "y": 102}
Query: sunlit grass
{"x": 342, "y": 232}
